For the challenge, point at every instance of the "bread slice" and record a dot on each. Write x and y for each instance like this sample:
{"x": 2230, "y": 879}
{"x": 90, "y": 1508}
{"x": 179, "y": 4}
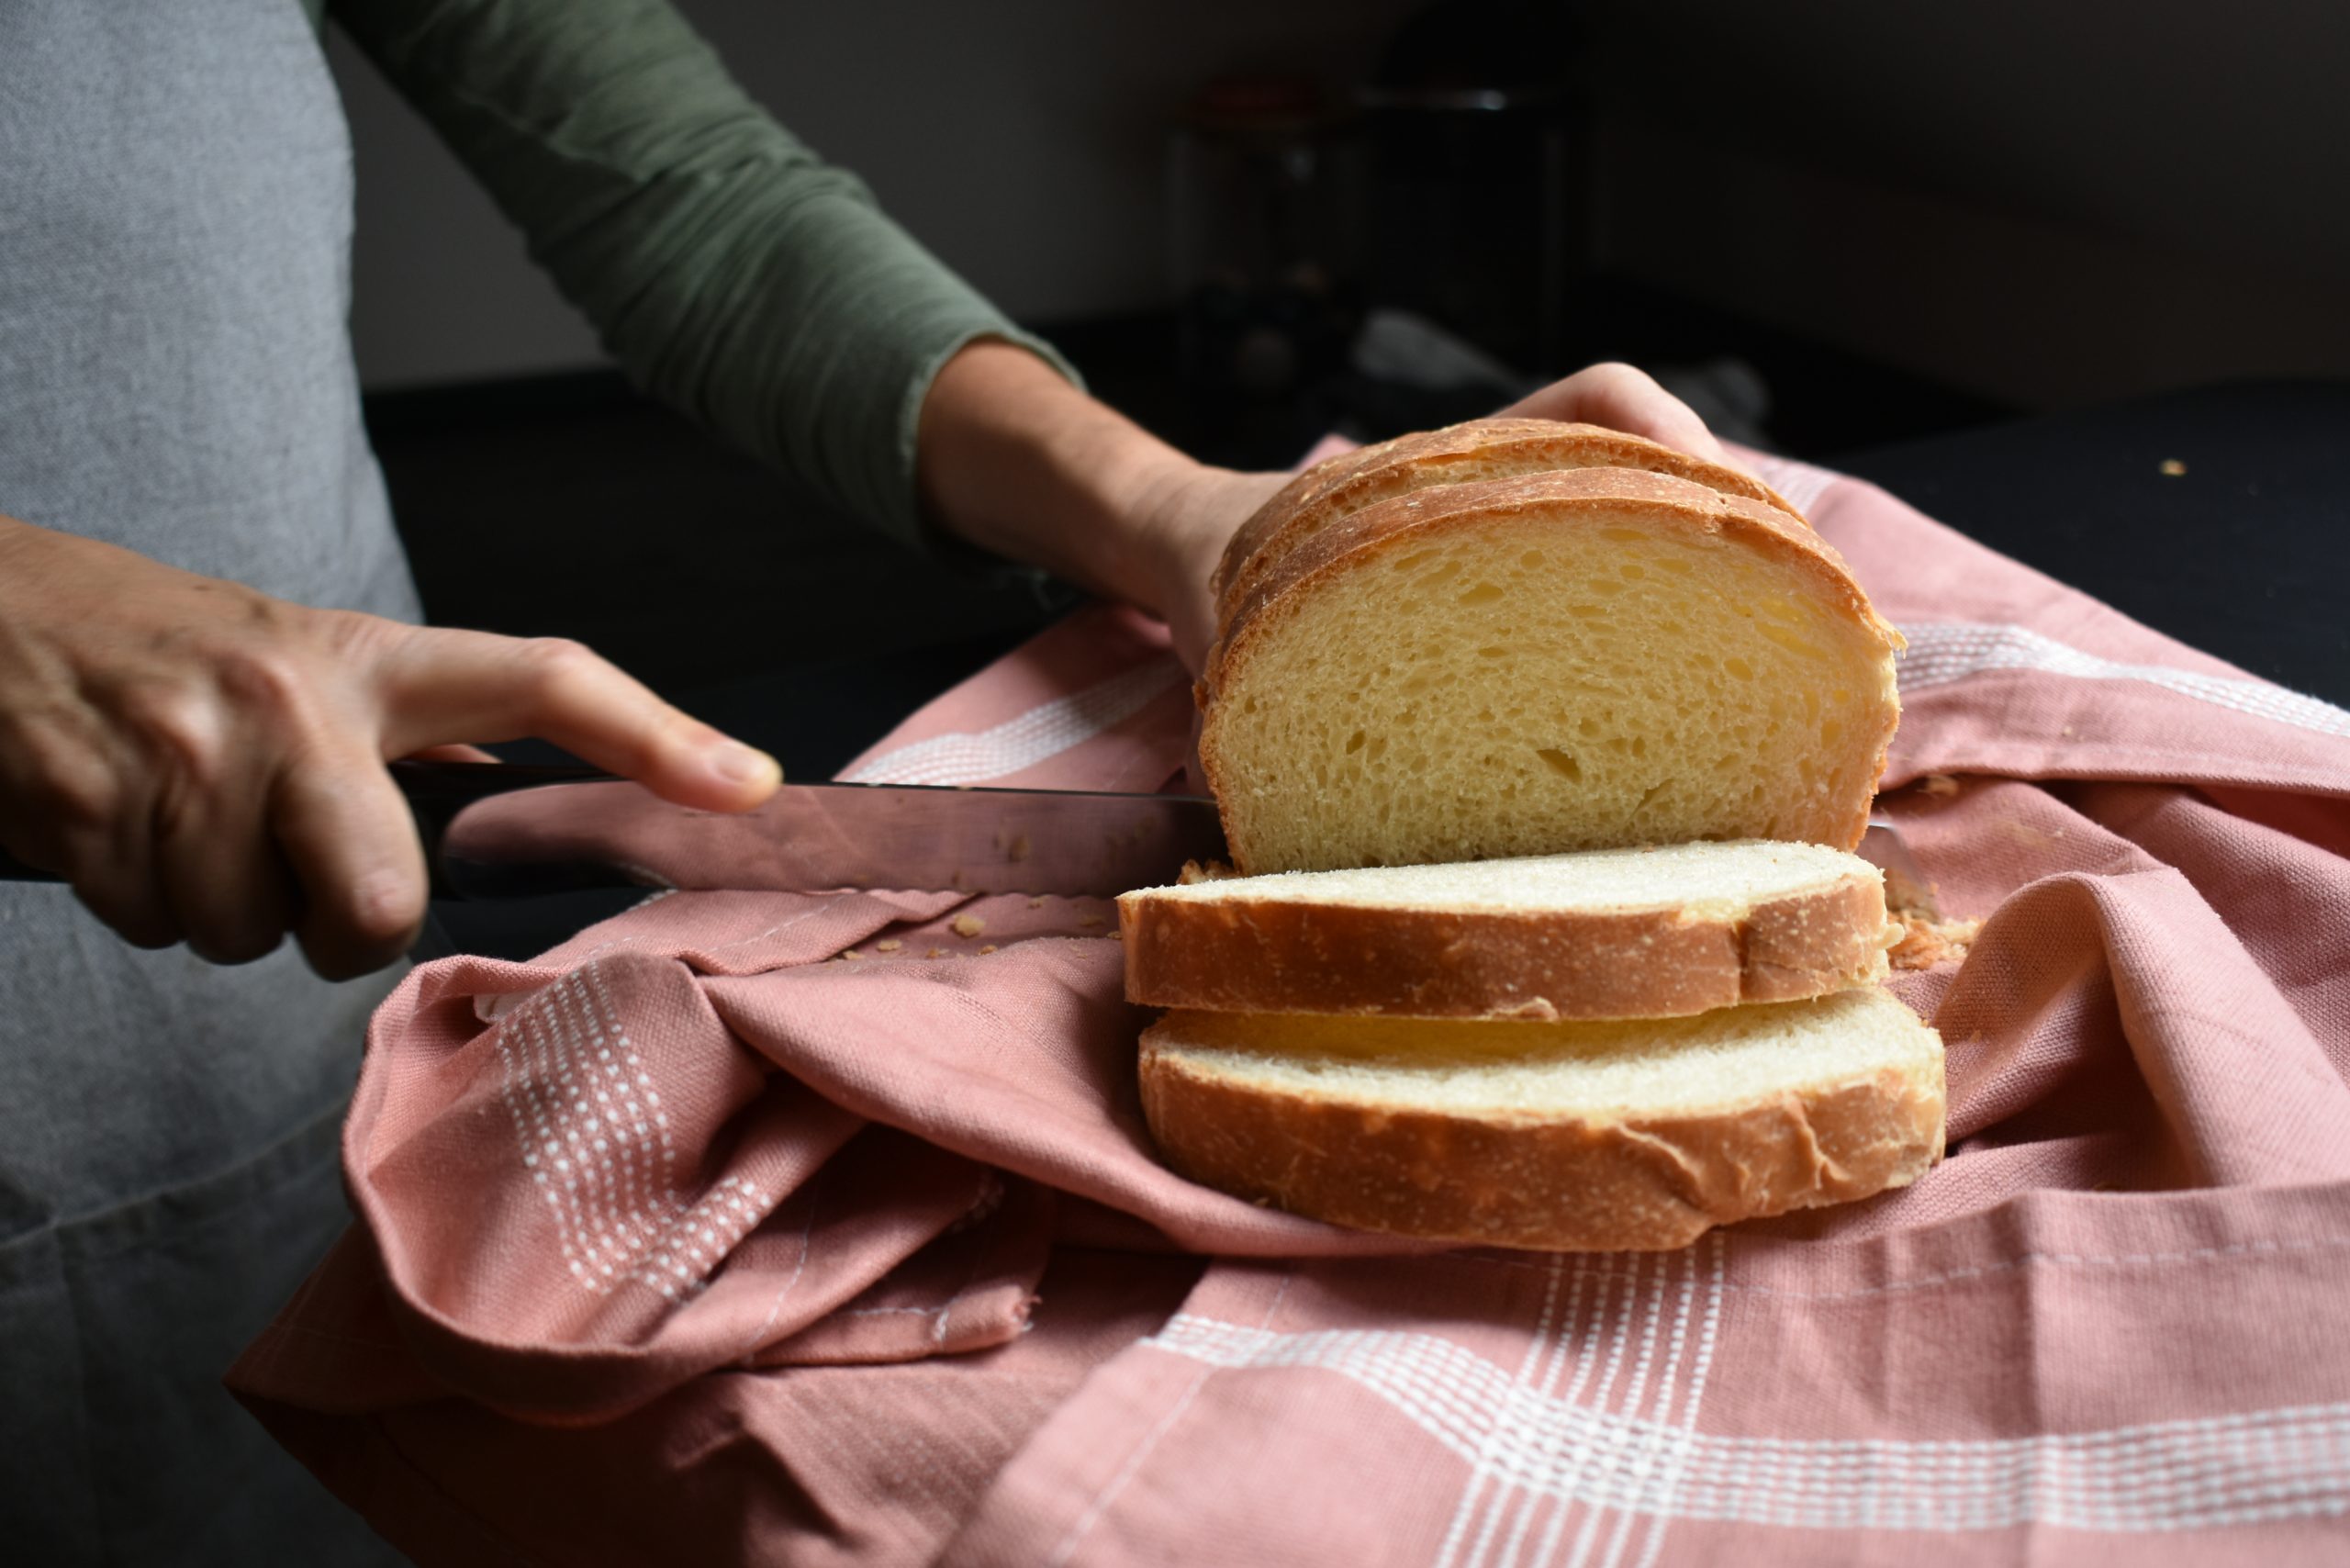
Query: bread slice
{"x": 1631, "y": 1137}
{"x": 1656, "y": 932}
{"x": 1554, "y": 662}
{"x": 1482, "y": 449}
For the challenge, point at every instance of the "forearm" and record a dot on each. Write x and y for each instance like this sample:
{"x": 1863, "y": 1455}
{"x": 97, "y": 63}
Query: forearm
{"x": 1012, "y": 458}
{"x": 1015, "y": 460}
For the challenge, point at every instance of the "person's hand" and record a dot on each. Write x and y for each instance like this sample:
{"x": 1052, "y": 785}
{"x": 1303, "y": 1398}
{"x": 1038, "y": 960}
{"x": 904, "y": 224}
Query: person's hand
{"x": 1013, "y": 458}
{"x": 1622, "y": 398}
{"x": 205, "y": 763}
{"x": 1185, "y": 525}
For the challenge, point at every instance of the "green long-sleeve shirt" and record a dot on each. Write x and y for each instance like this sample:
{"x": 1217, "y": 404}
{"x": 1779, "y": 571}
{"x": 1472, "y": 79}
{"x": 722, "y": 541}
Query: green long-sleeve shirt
{"x": 732, "y": 272}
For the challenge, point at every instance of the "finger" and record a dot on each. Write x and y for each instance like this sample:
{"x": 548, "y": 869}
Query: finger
{"x": 114, "y": 875}
{"x": 442, "y": 685}
{"x": 1623, "y": 398}
{"x": 347, "y": 835}
{"x": 218, "y": 870}
{"x": 69, "y": 812}
{"x": 452, "y": 754}
{"x": 212, "y": 859}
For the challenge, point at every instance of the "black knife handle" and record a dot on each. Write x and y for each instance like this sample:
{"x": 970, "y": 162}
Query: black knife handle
{"x": 15, "y": 870}
{"x": 436, "y": 792}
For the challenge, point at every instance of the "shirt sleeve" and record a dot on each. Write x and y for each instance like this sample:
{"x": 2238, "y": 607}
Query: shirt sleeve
{"x": 732, "y": 272}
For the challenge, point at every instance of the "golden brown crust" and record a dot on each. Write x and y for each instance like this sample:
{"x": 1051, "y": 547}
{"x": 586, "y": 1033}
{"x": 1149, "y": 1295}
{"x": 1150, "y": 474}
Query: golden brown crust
{"x": 1368, "y": 474}
{"x": 1568, "y": 495}
{"x": 1593, "y": 496}
{"x": 1243, "y": 955}
{"x": 1648, "y": 1183}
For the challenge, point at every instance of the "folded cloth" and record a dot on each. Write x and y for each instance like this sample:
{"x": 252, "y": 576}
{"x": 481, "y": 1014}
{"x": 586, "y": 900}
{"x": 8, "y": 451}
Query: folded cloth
{"x": 824, "y": 1229}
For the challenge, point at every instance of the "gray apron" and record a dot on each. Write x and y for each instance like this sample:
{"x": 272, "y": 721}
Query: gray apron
{"x": 175, "y": 376}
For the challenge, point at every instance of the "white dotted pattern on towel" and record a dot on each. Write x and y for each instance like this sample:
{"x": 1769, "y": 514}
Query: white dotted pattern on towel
{"x": 594, "y": 1137}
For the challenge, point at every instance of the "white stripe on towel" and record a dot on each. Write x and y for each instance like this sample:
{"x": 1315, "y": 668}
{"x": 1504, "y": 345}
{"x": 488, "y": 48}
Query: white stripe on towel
{"x": 2201, "y": 1474}
{"x": 1944, "y": 651}
{"x": 1045, "y": 730}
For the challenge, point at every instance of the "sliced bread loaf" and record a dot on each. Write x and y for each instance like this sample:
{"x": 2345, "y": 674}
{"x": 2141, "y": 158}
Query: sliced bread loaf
{"x": 1569, "y": 1136}
{"x": 1482, "y": 449}
{"x": 1559, "y": 661}
{"x": 1650, "y": 932}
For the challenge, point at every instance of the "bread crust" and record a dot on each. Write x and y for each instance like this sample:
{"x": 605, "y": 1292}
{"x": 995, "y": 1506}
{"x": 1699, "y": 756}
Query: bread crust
{"x": 1589, "y": 496}
{"x": 1243, "y": 955}
{"x": 1644, "y": 1184}
{"x": 1368, "y": 474}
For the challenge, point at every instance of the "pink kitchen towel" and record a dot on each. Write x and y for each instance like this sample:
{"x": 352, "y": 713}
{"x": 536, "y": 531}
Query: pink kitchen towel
{"x": 826, "y": 1229}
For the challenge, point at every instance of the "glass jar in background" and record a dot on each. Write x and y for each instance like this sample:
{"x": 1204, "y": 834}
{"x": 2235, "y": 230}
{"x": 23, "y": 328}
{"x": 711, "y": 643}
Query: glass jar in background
{"x": 1265, "y": 192}
{"x": 1476, "y": 181}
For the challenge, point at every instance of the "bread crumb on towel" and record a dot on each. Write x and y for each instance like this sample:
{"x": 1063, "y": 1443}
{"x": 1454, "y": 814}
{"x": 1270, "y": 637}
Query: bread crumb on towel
{"x": 968, "y": 925}
{"x": 1926, "y": 941}
{"x": 887, "y": 944}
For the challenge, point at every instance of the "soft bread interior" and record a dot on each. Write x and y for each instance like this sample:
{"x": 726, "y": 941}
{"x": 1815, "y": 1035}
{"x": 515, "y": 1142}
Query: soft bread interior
{"x": 1700, "y": 879}
{"x": 1524, "y": 682}
{"x": 1617, "y": 1072}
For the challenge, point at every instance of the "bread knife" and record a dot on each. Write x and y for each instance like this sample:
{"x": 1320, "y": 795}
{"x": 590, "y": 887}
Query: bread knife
{"x": 516, "y": 830}
{"x": 512, "y": 830}
{"x": 1906, "y": 886}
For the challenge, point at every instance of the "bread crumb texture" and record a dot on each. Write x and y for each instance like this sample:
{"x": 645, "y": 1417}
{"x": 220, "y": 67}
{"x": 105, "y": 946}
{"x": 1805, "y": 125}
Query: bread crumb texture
{"x": 1532, "y": 677}
{"x": 968, "y": 925}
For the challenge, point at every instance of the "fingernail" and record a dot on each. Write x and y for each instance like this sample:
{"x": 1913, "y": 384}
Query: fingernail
{"x": 738, "y": 763}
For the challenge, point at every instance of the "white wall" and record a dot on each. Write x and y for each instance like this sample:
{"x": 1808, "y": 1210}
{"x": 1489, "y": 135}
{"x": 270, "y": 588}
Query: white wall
{"x": 1022, "y": 141}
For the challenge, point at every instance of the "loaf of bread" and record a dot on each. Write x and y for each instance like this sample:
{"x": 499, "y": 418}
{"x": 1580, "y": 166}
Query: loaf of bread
{"x": 1553, "y": 662}
{"x": 1482, "y": 449}
{"x": 1548, "y": 746}
{"x": 1568, "y": 1136}
{"x": 1650, "y": 932}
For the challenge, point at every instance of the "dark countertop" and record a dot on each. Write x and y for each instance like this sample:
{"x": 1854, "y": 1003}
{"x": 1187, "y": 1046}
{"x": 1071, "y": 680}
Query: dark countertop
{"x": 2221, "y": 516}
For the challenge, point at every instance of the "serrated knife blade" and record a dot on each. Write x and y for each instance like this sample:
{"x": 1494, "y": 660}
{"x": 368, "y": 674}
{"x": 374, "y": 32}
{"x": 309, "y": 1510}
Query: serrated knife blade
{"x": 586, "y": 830}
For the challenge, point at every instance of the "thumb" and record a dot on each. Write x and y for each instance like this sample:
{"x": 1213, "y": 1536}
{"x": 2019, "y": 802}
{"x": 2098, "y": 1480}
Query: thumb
{"x": 437, "y": 686}
{"x": 1624, "y": 398}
